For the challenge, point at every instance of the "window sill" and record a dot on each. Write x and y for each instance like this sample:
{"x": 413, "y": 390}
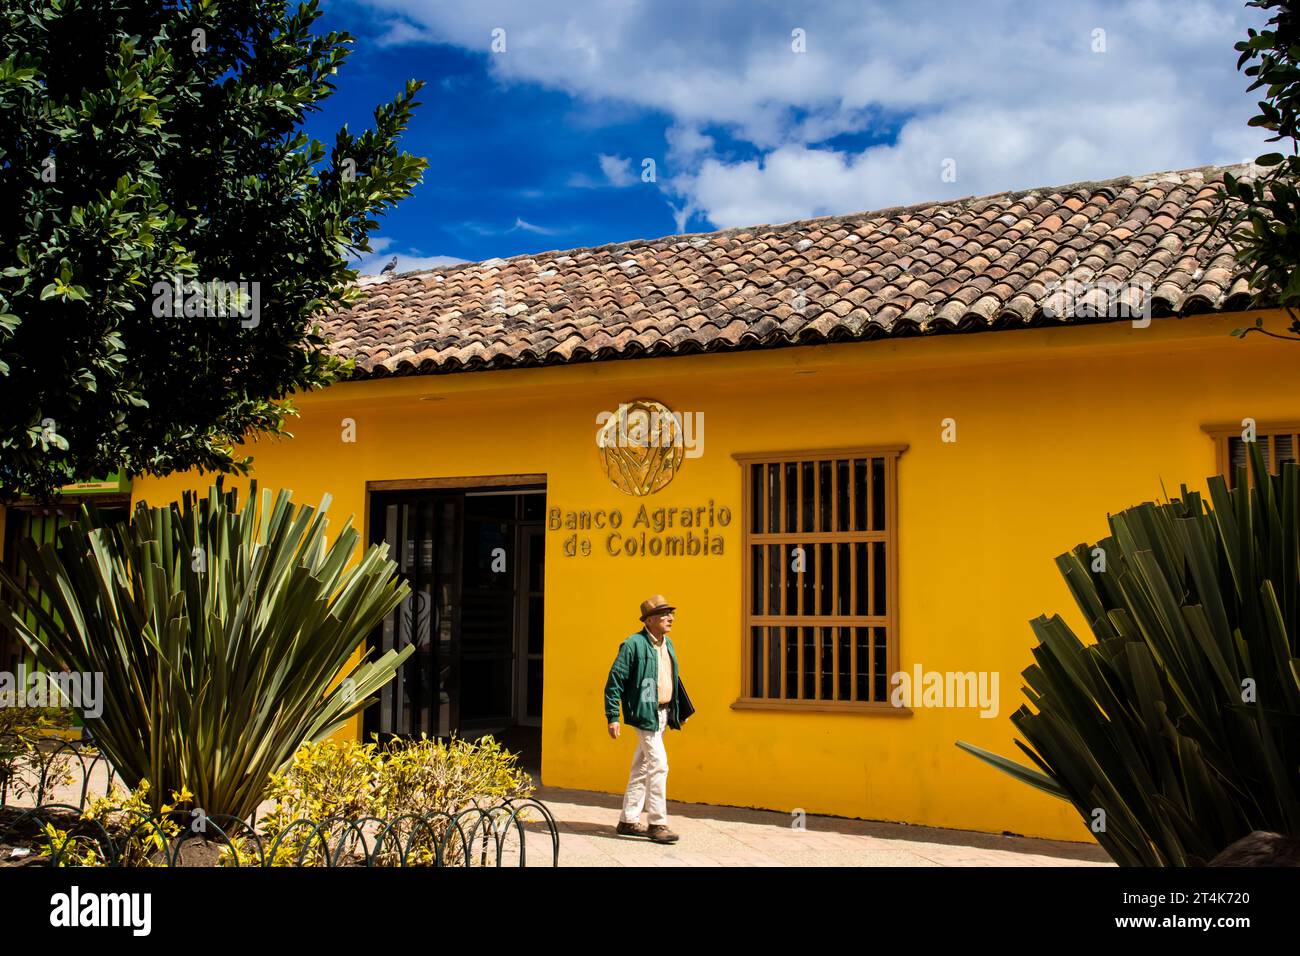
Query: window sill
{"x": 822, "y": 706}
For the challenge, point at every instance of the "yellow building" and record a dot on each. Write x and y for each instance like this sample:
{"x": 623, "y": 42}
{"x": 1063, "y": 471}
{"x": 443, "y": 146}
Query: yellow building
{"x": 884, "y": 427}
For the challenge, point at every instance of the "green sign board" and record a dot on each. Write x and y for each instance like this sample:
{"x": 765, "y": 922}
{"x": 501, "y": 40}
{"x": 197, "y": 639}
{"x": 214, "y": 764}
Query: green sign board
{"x": 116, "y": 483}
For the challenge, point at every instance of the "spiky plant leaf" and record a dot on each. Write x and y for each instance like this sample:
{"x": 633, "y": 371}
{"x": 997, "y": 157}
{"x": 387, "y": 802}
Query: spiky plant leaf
{"x": 220, "y": 633}
{"x": 1181, "y": 719}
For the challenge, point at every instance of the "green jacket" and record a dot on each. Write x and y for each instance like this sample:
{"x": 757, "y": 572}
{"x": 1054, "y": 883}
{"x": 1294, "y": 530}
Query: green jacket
{"x": 634, "y": 682}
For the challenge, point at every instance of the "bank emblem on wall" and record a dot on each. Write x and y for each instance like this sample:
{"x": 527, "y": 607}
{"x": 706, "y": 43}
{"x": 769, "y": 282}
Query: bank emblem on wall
{"x": 641, "y": 447}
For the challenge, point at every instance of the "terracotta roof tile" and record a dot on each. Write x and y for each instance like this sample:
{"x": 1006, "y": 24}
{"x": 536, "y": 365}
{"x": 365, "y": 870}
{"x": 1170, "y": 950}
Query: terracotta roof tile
{"x": 974, "y": 264}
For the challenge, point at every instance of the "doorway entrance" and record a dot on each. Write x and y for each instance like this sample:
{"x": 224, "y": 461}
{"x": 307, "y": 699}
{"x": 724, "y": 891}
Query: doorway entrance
{"x": 474, "y": 560}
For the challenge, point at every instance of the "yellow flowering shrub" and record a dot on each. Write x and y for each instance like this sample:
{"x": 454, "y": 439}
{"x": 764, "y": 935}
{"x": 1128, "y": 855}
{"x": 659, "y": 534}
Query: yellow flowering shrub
{"x": 427, "y": 777}
{"x": 331, "y": 784}
{"x": 22, "y": 730}
{"x": 141, "y": 838}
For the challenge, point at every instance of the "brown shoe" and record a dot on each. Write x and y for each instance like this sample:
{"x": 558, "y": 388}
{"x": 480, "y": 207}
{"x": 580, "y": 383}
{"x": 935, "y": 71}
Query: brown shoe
{"x": 661, "y": 834}
{"x": 630, "y": 829}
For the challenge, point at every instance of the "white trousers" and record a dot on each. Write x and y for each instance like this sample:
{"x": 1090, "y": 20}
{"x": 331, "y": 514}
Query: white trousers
{"x": 647, "y": 784}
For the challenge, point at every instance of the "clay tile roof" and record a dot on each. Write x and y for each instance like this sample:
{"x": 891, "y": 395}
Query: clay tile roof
{"x": 976, "y": 264}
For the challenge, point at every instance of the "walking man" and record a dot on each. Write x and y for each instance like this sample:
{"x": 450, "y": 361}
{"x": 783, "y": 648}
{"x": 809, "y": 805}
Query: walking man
{"x": 645, "y": 680}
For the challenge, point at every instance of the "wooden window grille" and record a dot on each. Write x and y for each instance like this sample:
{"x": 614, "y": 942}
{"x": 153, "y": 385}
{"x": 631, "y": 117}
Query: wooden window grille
{"x": 820, "y": 555}
{"x": 1279, "y": 441}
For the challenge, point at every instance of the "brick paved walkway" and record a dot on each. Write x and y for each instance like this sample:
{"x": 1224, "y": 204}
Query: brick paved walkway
{"x": 730, "y": 836}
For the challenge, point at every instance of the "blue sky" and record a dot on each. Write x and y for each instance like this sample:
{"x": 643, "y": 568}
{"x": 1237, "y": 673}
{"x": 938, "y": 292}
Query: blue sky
{"x": 758, "y": 112}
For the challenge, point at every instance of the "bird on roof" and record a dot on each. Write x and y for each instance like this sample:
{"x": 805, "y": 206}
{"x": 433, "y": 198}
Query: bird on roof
{"x": 391, "y": 267}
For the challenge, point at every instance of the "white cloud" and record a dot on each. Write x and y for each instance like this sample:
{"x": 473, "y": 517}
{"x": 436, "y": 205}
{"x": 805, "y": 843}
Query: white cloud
{"x": 686, "y": 143}
{"x": 682, "y": 214}
{"x": 371, "y": 263}
{"x": 1012, "y": 90}
{"x": 529, "y": 227}
{"x": 617, "y": 170}
{"x": 485, "y": 229}
{"x": 997, "y": 151}
{"x": 401, "y": 33}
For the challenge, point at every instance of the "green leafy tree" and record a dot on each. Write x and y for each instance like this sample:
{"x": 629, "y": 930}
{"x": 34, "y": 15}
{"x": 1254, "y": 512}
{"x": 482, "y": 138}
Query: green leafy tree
{"x": 168, "y": 233}
{"x": 1262, "y": 214}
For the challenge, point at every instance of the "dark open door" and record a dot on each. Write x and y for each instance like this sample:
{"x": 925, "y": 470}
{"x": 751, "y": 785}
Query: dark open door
{"x": 423, "y": 534}
{"x": 474, "y": 561}
{"x": 488, "y": 576}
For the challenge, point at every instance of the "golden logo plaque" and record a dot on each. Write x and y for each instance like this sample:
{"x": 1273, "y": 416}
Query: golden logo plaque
{"x": 641, "y": 447}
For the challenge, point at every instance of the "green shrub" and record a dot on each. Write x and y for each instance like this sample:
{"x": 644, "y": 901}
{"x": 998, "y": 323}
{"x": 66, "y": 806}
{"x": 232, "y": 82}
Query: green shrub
{"x": 220, "y": 633}
{"x": 141, "y": 836}
{"x": 418, "y": 779}
{"x": 1178, "y": 731}
{"x": 326, "y": 787}
{"x": 426, "y": 777}
{"x": 22, "y": 730}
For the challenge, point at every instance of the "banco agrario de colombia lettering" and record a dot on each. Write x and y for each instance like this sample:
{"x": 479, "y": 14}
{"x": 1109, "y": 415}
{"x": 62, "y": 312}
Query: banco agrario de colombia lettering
{"x": 650, "y": 532}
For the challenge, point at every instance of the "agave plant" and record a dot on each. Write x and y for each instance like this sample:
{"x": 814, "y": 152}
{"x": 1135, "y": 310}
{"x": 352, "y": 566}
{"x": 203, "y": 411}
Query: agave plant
{"x": 1181, "y": 723}
{"x": 219, "y": 633}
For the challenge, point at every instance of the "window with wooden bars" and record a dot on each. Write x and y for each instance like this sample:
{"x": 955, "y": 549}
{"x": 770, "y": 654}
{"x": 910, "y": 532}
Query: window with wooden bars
{"x": 1279, "y": 441}
{"x": 820, "y": 589}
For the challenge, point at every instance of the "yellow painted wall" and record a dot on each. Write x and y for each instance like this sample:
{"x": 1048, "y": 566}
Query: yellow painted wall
{"x": 1055, "y": 428}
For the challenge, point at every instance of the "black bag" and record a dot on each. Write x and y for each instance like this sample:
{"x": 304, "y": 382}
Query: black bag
{"x": 684, "y": 706}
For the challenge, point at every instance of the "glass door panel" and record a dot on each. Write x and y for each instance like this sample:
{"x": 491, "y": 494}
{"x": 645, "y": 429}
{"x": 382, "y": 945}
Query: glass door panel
{"x": 530, "y": 628}
{"x": 423, "y": 539}
{"x": 488, "y": 593}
